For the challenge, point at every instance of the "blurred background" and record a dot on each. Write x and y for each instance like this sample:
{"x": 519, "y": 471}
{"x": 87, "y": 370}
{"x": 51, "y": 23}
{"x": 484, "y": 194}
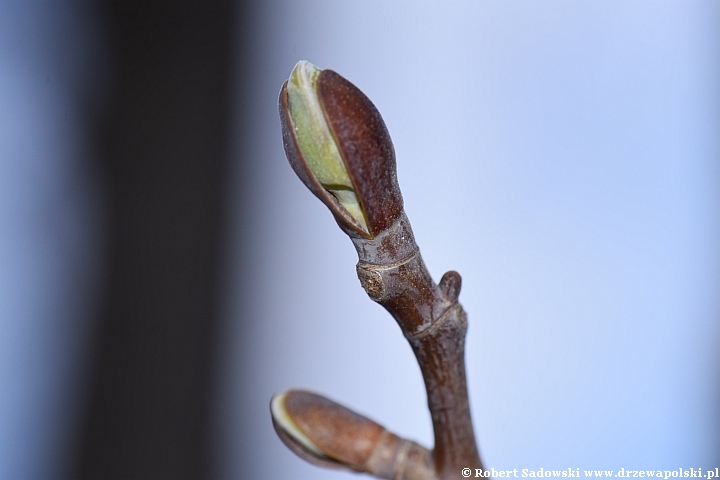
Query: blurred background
{"x": 163, "y": 273}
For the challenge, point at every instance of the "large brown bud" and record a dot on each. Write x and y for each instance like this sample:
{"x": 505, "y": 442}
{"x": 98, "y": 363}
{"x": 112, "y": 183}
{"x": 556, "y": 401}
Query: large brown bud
{"x": 339, "y": 146}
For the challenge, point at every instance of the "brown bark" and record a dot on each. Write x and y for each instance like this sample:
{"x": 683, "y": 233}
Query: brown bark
{"x": 394, "y": 275}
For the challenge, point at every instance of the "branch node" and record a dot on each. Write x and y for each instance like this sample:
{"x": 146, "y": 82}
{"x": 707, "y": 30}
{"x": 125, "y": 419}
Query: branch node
{"x": 372, "y": 282}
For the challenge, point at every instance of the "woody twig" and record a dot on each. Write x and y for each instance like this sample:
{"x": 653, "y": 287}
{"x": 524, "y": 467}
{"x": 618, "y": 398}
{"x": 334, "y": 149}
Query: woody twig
{"x": 337, "y": 143}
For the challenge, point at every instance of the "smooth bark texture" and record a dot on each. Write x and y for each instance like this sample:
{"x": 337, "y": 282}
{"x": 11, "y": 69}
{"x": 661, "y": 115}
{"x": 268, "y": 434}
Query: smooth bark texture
{"x": 393, "y": 274}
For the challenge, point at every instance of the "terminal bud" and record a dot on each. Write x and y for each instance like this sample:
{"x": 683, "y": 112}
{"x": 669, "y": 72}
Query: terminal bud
{"x": 339, "y": 146}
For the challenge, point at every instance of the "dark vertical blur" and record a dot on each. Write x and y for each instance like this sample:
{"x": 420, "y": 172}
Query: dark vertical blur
{"x": 164, "y": 145}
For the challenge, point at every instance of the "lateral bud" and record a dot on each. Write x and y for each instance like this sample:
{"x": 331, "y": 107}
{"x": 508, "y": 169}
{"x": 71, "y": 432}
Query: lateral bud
{"x": 371, "y": 281}
{"x": 328, "y": 434}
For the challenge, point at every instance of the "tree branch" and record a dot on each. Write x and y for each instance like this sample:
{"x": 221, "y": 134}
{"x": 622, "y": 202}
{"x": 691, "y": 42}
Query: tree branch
{"x": 337, "y": 143}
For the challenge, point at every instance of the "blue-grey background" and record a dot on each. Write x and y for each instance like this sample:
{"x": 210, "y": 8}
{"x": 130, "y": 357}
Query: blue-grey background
{"x": 49, "y": 230}
{"x": 562, "y": 156}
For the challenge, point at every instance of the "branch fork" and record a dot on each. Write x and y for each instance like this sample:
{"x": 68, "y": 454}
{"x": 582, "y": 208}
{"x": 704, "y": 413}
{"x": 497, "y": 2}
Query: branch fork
{"x": 337, "y": 143}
